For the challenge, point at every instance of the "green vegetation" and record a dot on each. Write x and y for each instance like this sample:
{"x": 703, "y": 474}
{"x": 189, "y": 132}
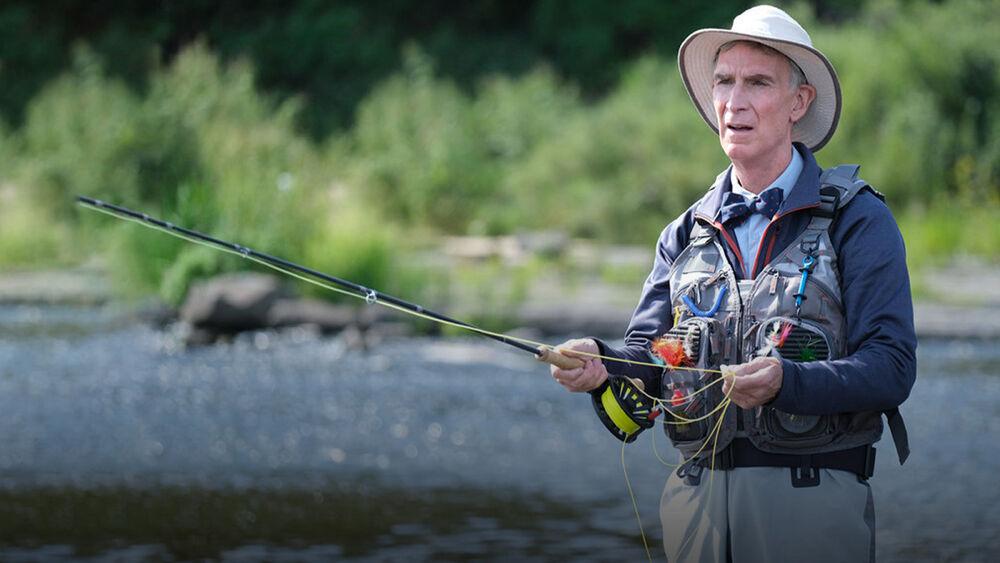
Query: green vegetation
{"x": 201, "y": 144}
{"x": 333, "y": 53}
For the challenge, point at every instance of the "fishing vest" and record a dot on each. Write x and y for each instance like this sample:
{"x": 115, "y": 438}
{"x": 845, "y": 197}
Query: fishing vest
{"x": 723, "y": 320}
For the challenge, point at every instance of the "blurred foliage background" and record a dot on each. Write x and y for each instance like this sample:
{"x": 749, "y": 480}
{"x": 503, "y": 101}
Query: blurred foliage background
{"x": 351, "y": 135}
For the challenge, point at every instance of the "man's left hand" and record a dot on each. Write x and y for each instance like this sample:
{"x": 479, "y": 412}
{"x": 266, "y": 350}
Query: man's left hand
{"x": 754, "y": 383}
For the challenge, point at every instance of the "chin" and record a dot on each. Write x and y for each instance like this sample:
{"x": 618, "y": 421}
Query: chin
{"x": 738, "y": 151}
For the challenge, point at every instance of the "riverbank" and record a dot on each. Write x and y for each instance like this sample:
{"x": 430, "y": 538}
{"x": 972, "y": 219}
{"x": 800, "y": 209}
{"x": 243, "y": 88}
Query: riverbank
{"x": 959, "y": 302}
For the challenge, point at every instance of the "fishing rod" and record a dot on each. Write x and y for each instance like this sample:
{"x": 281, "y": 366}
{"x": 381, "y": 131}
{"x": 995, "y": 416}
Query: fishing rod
{"x": 371, "y": 296}
{"x": 621, "y": 403}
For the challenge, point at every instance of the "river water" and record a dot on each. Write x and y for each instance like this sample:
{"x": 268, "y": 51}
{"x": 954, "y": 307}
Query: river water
{"x": 121, "y": 445}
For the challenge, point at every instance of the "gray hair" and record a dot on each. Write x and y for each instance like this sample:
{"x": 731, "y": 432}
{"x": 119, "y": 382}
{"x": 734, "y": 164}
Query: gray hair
{"x": 796, "y": 76}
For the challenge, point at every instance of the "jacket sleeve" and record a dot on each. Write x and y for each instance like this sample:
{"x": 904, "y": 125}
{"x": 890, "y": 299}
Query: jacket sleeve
{"x": 880, "y": 368}
{"x": 652, "y": 316}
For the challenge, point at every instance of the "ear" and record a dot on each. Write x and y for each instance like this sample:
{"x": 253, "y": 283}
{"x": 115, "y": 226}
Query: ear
{"x": 804, "y": 97}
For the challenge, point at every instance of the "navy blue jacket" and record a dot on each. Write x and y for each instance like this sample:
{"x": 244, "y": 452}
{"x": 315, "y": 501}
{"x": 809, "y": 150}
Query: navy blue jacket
{"x": 880, "y": 368}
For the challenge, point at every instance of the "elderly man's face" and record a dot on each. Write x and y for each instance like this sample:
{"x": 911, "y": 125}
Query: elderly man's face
{"x": 756, "y": 105}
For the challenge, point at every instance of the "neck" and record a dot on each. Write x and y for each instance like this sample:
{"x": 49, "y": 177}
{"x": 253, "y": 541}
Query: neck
{"x": 758, "y": 174}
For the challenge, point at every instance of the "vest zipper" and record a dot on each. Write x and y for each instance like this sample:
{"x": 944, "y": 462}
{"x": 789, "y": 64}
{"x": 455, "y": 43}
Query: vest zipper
{"x": 774, "y": 283}
{"x": 735, "y": 248}
{"x": 767, "y": 227}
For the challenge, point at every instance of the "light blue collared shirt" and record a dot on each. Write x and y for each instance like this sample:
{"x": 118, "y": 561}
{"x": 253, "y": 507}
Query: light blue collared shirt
{"x": 750, "y": 231}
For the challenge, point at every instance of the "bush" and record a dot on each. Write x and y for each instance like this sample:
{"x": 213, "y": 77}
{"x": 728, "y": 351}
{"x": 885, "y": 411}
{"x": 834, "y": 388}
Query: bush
{"x": 29, "y": 235}
{"x": 83, "y": 136}
{"x": 515, "y": 117}
{"x": 921, "y": 97}
{"x": 202, "y": 149}
{"x": 417, "y": 151}
{"x": 622, "y": 170}
{"x": 355, "y": 244}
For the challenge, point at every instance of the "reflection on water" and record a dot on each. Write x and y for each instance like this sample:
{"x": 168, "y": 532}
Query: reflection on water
{"x": 352, "y": 520}
{"x": 120, "y": 445}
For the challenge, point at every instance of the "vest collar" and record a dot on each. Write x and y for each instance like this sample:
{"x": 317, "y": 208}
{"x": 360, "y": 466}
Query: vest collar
{"x": 804, "y": 195}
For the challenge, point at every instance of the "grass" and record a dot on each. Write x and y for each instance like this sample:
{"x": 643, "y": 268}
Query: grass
{"x": 938, "y": 235}
{"x": 30, "y": 237}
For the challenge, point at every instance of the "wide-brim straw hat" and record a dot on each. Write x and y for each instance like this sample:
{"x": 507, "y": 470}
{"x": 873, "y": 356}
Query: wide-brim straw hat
{"x": 776, "y": 29}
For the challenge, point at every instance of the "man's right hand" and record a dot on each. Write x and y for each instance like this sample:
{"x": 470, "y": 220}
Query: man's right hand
{"x": 582, "y": 379}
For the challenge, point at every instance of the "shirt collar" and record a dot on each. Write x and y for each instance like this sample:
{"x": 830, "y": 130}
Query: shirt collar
{"x": 804, "y": 194}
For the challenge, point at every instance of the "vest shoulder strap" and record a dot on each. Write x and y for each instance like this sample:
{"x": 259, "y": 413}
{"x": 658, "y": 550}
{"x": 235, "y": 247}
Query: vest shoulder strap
{"x": 899, "y": 435}
{"x": 838, "y": 186}
{"x": 700, "y": 234}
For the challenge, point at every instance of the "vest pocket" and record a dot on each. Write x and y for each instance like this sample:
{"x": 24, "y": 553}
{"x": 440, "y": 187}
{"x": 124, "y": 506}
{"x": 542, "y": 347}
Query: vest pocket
{"x": 685, "y": 391}
{"x": 798, "y": 341}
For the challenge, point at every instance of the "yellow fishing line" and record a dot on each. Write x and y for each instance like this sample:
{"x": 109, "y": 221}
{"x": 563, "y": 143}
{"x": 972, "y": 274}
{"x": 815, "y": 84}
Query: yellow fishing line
{"x": 658, "y": 456}
{"x": 680, "y": 419}
{"x": 715, "y": 430}
{"x": 724, "y": 407}
{"x": 708, "y": 438}
{"x": 689, "y": 397}
{"x": 635, "y": 505}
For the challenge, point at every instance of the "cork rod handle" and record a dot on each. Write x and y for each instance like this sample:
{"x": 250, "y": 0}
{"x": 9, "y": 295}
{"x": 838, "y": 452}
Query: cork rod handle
{"x": 550, "y": 356}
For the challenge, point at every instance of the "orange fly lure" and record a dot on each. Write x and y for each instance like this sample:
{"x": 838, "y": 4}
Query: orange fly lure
{"x": 670, "y": 350}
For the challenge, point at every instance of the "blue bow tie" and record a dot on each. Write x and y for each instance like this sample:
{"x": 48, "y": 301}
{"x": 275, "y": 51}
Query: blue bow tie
{"x": 736, "y": 208}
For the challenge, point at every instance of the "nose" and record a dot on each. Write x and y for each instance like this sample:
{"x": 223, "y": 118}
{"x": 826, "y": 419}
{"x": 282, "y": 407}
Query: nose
{"x": 738, "y": 98}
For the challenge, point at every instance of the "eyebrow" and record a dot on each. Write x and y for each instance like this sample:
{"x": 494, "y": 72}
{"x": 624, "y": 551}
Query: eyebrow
{"x": 758, "y": 76}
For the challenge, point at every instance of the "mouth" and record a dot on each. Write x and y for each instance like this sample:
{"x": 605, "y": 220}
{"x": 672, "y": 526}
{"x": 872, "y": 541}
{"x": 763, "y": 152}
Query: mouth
{"x": 739, "y": 128}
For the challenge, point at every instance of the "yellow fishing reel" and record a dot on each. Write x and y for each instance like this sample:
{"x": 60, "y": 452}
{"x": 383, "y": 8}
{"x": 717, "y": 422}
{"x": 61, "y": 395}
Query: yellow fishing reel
{"x": 622, "y": 407}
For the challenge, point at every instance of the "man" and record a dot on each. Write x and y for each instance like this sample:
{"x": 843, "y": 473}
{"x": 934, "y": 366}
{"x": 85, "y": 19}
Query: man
{"x": 796, "y": 277}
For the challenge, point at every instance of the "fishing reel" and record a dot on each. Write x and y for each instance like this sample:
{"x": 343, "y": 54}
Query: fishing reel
{"x": 623, "y": 408}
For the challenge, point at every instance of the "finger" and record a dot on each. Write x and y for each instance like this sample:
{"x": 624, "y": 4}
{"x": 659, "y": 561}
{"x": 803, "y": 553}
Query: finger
{"x": 761, "y": 364}
{"x": 568, "y": 373}
{"x": 587, "y": 373}
{"x": 567, "y": 377}
{"x": 753, "y": 395}
{"x": 573, "y": 353}
{"x": 762, "y": 378}
{"x": 593, "y": 375}
{"x": 753, "y": 366}
{"x": 592, "y": 380}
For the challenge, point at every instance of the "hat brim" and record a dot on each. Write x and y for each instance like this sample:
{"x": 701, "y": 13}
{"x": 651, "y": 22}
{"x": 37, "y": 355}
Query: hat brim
{"x": 696, "y": 61}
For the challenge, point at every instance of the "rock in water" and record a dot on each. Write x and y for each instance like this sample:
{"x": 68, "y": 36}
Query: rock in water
{"x": 325, "y": 316}
{"x": 232, "y": 302}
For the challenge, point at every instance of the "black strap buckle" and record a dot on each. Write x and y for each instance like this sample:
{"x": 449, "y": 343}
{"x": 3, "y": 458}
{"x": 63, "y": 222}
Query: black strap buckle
{"x": 805, "y": 475}
{"x": 691, "y": 471}
{"x": 869, "y": 464}
{"x": 829, "y": 202}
